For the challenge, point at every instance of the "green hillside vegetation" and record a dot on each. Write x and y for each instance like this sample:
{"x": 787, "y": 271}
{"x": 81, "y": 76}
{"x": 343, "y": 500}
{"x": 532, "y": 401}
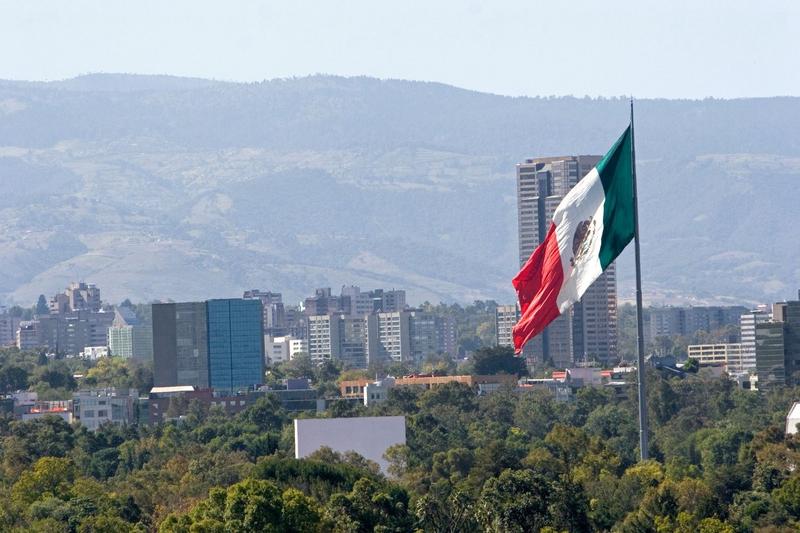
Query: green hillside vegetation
{"x": 509, "y": 461}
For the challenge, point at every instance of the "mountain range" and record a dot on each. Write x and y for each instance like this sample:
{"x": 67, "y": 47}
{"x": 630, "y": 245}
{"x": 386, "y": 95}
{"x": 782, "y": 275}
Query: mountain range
{"x": 157, "y": 187}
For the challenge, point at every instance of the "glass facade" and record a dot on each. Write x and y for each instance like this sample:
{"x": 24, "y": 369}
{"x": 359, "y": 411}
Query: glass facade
{"x": 235, "y": 343}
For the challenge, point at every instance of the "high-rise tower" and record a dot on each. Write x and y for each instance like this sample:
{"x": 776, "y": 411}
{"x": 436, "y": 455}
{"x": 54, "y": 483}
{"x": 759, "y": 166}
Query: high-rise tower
{"x": 588, "y": 331}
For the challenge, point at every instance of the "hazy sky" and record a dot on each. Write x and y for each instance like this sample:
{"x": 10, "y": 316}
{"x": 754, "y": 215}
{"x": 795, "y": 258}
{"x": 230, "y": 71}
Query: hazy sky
{"x": 669, "y": 48}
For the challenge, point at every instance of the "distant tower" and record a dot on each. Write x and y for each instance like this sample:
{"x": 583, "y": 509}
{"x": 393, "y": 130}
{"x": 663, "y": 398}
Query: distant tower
{"x": 588, "y": 331}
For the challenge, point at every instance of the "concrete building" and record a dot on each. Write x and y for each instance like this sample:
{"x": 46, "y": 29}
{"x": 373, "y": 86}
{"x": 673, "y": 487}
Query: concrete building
{"x": 96, "y": 407}
{"x": 130, "y": 337}
{"x": 671, "y": 321}
{"x": 505, "y": 318}
{"x": 369, "y": 436}
{"x": 42, "y": 409}
{"x": 447, "y": 332}
{"x": 8, "y": 329}
{"x": 588, "y": 331}
{"x": 180, "y": 344}
{"x": 276, "y": 349}
{"x": 323, "y": 337}
{"x": 28, "y": 336}
{"x": 352, "y": 340}
{"x": 732, "y": 356}
{"x": 75, "y": 320}
{"x": 792, "y": 419}
{"x": 93, "y": 353}
{"x": 274, "y": 313}
{"x": 281, "y": 349}
{"x": 235, "y": 344}
{"x": 361, "y": 303}
{"x": 352, "y": 389}
{"x": 389, "y": 301}
{"x": 788, "y": 314}
{"x": 297, "y": 347}
{"x": 338, "y": 336}
{"x": 770, "y": 356}
{"x": 747, "y": 331}
{"x": 388, "y": 337}
{"x": 423, "y": 336}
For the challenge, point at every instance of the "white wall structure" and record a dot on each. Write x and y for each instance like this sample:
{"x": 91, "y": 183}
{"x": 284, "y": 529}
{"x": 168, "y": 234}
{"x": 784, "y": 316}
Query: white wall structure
{"x": 792, "y": 419}
{"x": 368, "y": 436}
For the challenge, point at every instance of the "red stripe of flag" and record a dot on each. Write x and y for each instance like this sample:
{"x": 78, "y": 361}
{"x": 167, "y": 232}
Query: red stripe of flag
{"x": 538, "y": 284}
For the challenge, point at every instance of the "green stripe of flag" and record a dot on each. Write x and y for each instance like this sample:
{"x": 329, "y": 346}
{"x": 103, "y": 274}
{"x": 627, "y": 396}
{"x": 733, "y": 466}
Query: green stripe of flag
{"x": 616, "y": 174}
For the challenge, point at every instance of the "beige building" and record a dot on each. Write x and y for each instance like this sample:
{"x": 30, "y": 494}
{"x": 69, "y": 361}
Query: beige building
{"x": 734, "y": 356}
{"x": 588, "y": 331}
{"x": 505, "y": 318}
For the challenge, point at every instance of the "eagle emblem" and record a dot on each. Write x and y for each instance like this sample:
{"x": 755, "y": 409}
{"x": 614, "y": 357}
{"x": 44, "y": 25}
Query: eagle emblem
{"x": 582, "y": 240}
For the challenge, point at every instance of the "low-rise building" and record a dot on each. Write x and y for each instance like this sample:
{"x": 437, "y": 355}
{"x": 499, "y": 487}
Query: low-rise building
{"x": 94, "y": 352}
{"x": 733, "y": 356}
{"x": 357, "y": 388}
{"x": 96, "y": 407}
{"x": 792, "y": 419}
{"x": 42, "y": 409}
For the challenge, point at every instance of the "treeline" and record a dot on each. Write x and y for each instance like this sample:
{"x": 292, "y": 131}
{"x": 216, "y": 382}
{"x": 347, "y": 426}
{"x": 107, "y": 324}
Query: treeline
{"x": 509, "y": 461}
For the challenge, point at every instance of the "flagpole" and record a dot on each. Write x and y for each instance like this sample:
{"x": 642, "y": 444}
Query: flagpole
{"x": 640, "y": 370}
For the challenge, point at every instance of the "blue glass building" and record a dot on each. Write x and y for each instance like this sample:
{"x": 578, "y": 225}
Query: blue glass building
{"x": 235, "y": 344}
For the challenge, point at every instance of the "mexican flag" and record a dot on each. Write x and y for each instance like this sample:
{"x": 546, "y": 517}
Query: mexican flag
{"x": 590, "y": 228}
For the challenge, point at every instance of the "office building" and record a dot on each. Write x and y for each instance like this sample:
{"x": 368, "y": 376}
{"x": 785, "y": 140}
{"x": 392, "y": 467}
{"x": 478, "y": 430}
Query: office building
{"x": 361, "y": 303}
{"x": 505, "y": 318}
{"x": 276, "y": 349}
{"x": 423, "y": 336}
{"x": 323, "y": 302}
{"x": 389, "y": 301}
{"x": 180, "y": 344}
{"x": 96, "y": 407}
{"x": 323, "y": 337}
{"x": 686, "y": 321}
{"x": 28, "y": 336}
{"x": 282, "y": 349}
{"x": 352, "y": 341}
{"x": 235, "y": 344}
{"x": 788, "y": 314}
{"x": 770, "y": 356}
{"x": 588, "y": 331}
{"x": 274, "y": 313}
{"x": 747, "y": 331}
{"x": 78, "y": 296}
{"x": 388, "y": 337}
{"x": 129, "y": 337}
{"x": 338, "y": 336}
{"x": 8, "y": 328}
{"x": 732, "y": 356}
{"x": 447, "y": 332}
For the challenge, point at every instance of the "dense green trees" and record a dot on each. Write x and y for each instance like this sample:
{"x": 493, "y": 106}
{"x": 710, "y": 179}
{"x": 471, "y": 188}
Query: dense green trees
{"x": 508, "y": 461}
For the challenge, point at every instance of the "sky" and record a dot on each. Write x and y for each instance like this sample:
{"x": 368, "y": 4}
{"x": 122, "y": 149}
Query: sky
{"x": 645, "y": 48}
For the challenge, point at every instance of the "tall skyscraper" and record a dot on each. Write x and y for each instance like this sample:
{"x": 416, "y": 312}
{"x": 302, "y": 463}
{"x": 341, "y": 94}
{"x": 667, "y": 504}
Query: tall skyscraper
{"x": 770, "y": 355}
{"x": 588, "y": 331}
{"x": 788, "y": 313}
{"x": 235, "y": 343}
{"x": 180, "y": 344}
